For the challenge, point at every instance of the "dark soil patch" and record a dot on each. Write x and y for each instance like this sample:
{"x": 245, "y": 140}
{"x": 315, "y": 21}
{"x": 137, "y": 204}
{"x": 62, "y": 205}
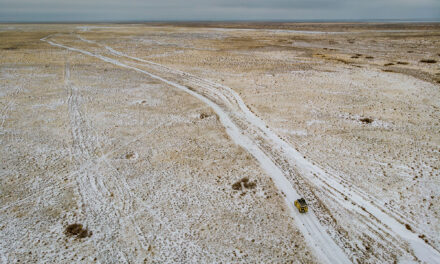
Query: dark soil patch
{"x": 77, "y": 230}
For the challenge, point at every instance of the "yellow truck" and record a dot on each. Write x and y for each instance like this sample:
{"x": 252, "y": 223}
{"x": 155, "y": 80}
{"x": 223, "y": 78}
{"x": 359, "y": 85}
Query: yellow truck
{"x": 301, "y": 205}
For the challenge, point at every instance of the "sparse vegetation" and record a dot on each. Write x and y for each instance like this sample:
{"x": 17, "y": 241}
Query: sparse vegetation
{"x": 402, "y": 63}
{"x": 388, "y": 64}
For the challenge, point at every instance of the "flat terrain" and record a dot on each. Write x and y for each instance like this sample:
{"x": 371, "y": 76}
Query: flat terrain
{"x": 189, "y": 143}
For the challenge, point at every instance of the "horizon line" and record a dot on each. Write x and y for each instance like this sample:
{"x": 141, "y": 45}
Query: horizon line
{"x": 375, "y": 20}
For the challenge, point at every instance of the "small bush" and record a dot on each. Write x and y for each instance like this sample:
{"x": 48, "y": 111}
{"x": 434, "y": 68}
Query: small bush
{"x": 203, "y": 115}
{"x": 428, "y": 61}
{"x": 408, "y": 227}
{"x": 250, "y": 185}
{"x": 369, "y": 57}
{"x": 77, "y": 230}
{"x": 402, "y": 63}
{"x": 236, "y": 186}
{"x": 244, "y": 183}
{"x": 388, "y": 64}
{"x": 366, "y": 120}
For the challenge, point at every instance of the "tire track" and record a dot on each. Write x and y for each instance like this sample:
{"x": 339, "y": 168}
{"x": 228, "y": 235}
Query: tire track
{"x": 105, "y": 198}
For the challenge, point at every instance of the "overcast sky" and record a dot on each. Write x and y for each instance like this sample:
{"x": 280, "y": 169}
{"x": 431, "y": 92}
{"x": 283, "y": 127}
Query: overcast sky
{"x": 147, "y": 10}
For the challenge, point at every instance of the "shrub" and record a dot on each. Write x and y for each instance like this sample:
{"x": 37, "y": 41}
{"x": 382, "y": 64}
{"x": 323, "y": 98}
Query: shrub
{"x": 77, "y": 230}
{"x": 366, "y": 120}
{"x": 244, "y": 183}
{"x": 428, "y": 61}
{"x": 203, "y": 115}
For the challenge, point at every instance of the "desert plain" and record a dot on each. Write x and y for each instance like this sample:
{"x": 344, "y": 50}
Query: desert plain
{"x": 190, "y": 142}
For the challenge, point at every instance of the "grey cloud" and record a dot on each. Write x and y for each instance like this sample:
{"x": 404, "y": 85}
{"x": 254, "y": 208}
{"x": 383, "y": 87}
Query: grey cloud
{"x": 300, "y": 4}
{"x": 98, "y": 10}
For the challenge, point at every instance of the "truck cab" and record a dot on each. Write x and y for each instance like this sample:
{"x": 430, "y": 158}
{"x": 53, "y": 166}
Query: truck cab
{"x": 301, "y": 205}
